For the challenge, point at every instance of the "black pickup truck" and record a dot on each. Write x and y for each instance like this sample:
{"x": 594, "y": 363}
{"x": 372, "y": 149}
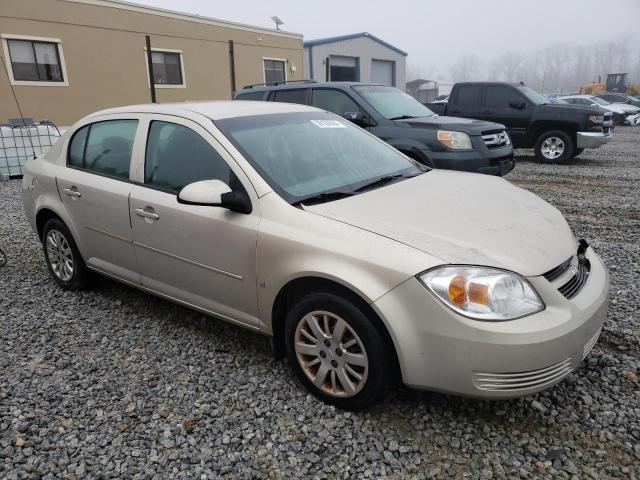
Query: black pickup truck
{"x": 403, "y": 122}
{"x": 556, "y": 131}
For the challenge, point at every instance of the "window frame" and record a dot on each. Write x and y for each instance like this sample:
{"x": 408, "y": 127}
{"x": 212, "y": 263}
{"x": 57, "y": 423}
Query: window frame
{"x": 182, "y": 70}
{"x": 485, "y": 95}
{"x": 264, "y": 70}
{"x": 89, "y": 124}
{"x": 274, "y": 93}
{"x": 34, "y": 39}
{"x": 358, "y": 104}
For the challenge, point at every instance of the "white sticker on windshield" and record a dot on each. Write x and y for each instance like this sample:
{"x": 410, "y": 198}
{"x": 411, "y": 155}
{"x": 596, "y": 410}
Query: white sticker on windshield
{"x": 328, "y": 124}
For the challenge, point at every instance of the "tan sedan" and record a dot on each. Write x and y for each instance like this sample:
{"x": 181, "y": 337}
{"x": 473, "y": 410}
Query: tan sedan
{"x": 364, "y": 266}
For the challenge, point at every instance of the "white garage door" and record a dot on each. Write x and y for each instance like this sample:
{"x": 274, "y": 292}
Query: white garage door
{"x": 382, "y": 72}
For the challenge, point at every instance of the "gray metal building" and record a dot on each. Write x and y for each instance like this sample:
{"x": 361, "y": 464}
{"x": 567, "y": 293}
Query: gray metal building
{"x": 360, "y": 57}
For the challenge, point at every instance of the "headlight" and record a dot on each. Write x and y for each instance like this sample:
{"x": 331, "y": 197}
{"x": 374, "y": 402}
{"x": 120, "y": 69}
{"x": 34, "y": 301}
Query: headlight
{"x": 596, "y": 118}
{"x": 483, "y": 293}
{"x": 454, "y": 140}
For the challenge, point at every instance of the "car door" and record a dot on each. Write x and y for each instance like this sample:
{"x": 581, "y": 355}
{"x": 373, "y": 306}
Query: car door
{"x": 201, "y": 255}
{"x": 505, "y": 105}
{"x": 465, "y": 101}
{"x": 95, "y": 189}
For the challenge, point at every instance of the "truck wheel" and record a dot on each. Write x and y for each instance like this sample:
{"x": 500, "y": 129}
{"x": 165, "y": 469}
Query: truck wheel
{"x": 578, "y": 151}
{"x": 554, "y": 146}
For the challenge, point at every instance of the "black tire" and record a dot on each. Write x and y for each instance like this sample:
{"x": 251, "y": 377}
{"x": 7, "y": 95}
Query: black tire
{"x": 378, "y": 376}
{"x": 578, "y": 151}
{"x": 563, "y": 138}
{"x": 80, "y": 276}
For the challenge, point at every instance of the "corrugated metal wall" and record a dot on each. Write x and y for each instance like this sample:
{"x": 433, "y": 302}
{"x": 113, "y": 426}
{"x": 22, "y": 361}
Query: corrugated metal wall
{"x": 364, "y": 48}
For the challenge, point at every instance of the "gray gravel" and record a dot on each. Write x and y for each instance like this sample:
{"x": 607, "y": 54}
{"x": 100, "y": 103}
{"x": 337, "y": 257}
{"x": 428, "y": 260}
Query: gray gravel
{"x": 114, "y": 383}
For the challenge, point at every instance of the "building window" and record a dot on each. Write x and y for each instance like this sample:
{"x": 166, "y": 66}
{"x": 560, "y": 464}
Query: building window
{"x": 34, "y": 60}
{"x": 167, "y": 68}
{"x": 343, "y": 69}
{"x": 274, "y": 70}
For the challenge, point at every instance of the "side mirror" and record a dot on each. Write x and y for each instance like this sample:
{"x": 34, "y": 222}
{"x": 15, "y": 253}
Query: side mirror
{"x": 517, "y": 105}
{"x": 215, "y": 193}
{"x": 356, "y": 117}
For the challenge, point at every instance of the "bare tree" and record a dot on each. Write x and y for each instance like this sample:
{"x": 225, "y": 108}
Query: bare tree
{"x": 467, "y": 67}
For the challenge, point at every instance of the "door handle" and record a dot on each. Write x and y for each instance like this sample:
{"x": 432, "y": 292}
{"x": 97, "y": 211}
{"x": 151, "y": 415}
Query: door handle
{"x": 143, "y": 212}
{"x": 487, "y": 112}
{"x": 454, "y": 110}
{"x": 72, "y": 192}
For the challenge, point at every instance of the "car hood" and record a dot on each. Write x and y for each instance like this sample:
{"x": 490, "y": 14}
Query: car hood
{"x": 462, "y": 218}
{"x": 467, "y": 125}
{"x": 556, "y": 108}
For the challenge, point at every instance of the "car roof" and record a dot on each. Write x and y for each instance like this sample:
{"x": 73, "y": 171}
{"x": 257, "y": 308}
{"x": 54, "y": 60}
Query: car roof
{"x": 215, "y": 110}
{"x": 512, "y": 84}
{"x": 304, "y": 84}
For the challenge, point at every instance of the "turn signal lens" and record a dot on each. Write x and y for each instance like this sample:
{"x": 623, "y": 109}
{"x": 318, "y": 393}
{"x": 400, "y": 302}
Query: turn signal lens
{"x": 458, "y": 291}
{"x": 455, "y": 140}
{"x": 483, "y": 293}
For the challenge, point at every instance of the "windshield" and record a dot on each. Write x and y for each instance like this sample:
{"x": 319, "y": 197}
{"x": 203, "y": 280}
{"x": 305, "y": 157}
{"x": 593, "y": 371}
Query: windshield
{"x": 533, "y": 96}
{"x": 599, "y": 101}
{"x": 391, "y": 103}
{"x": 305, "y": 154}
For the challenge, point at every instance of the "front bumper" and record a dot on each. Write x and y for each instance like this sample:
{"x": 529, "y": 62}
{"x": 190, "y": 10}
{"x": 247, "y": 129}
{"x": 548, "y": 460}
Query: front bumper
{"x": 497, "y": 161}
{"x": 443, "y": 351}
{"x": 592, "y": 139}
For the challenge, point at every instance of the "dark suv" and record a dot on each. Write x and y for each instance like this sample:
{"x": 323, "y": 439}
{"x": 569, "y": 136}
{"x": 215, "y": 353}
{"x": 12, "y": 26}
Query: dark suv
{"x": 400, "y": 120}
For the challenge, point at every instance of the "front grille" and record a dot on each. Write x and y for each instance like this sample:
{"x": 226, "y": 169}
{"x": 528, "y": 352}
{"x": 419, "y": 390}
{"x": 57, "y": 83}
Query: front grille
{"x": 573, "y": 286}
{"x": 496, "y": 138}
{"x": 590, "y": 344}
{"x": 518, "y": 381}
{"x": 580, "y": 268}
{"x": 554, "y": 273}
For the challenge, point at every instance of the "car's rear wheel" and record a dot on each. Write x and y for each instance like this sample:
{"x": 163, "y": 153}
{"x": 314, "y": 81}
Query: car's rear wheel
{"x": 337, "y": 352}
{"x": 554, "y": 146}
{"x": 63, "y": 258}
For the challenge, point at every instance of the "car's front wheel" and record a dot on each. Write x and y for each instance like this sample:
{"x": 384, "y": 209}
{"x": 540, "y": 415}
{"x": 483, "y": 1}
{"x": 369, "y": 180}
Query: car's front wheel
{"x": 66, "y": 266}
{"x": 337, "y": 352}
{"x": 554, "y": 146}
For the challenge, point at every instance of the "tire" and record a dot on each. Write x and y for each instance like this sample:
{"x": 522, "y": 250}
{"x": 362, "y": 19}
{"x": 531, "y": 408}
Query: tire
{"x": 360, "y": 352}
{"x": 578, "y": 151}
{"x": 554, "y": 146}
{"x": 64, "y": 261}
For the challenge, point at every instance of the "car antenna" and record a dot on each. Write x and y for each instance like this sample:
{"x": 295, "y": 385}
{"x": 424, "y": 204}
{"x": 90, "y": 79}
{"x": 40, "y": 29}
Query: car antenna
{"x": 15, "y": 97}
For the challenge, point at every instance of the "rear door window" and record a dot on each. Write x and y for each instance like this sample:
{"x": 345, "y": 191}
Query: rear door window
{"x": 467, "y": 95}
{"x": 290, "y": 96}
{"x": 104, "y": 147}
{"x": 250, "y": 96}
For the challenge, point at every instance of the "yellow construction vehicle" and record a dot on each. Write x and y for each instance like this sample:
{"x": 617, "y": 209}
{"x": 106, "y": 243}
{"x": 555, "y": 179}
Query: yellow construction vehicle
{"x": 616, "y": 82}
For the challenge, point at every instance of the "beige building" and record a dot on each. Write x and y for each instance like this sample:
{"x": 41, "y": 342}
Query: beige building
{"x": 67, "y": 58}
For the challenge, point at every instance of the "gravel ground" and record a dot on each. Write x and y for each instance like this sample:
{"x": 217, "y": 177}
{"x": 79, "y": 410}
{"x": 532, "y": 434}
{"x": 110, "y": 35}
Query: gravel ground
{"x": 116, "y": 383}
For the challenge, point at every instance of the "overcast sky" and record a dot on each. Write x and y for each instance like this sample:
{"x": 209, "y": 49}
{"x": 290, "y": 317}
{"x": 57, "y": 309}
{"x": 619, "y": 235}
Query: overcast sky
{"x": 435, "y": 33}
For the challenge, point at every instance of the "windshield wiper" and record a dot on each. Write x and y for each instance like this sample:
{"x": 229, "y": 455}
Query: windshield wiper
{"x": 403, "y": 117}
{"x": 324, "y": 197}
{"x": 379, "y": 182}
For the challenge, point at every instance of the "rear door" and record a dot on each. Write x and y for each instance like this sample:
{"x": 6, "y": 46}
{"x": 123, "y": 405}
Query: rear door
{"x": 95, "y": 192}
{"x": 201, "y": 255}
{"x": 500, "y": 106}
{"x": 465, "y": 101}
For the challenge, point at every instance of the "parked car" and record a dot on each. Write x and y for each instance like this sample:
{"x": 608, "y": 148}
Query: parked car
{"x": 619, "y": 98}
{"x": 363, "y": 265}
{"x": 623, "y": 114}
{"x": 402, "y": 121}
{"x": 555, "y": 131}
